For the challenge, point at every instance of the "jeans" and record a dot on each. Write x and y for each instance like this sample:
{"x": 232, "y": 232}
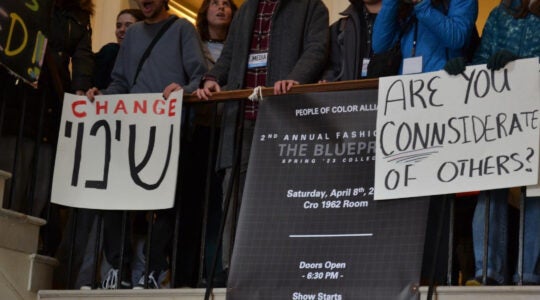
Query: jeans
{"x": 497, "y": 262}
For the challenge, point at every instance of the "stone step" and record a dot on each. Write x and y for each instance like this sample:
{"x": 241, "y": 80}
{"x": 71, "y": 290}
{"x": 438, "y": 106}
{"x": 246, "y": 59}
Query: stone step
{"x": 20, "y": 232}
{"x": 164, "y": 294}
{"x": 441, "y": 293}
{"x": 4, "y": 176}
{"x": 512, "y": 292}
{"x": 22, "y": 275}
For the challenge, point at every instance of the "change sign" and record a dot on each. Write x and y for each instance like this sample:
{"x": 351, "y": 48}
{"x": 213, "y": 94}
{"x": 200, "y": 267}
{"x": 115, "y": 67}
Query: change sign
{"x": 119, "y": 152}
{"x": 439, "y": 134}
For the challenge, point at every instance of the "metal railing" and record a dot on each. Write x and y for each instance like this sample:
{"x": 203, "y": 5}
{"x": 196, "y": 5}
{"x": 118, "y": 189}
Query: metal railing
{"x": 18, "y": 98}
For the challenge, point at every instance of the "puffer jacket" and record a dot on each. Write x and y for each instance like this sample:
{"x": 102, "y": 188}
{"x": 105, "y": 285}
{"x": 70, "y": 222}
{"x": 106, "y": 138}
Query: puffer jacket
{"x": 441, "y": 35}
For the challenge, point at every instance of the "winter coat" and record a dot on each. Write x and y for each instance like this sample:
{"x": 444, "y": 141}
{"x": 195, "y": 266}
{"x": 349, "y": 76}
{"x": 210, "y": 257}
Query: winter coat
{"x": 349, "y": 41}
{"x": 105, "y": 59}
{"x": 297, "y": 51}
{"x": 442, "y": 33}
{"x": 70, "y": 41}
{"x": 503, "y": 31}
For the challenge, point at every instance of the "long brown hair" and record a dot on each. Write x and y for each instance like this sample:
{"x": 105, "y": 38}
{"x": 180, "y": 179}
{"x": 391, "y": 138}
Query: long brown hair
{"x": 522, "y": 10}
{"x": 88, "y": 6}
{"x": 202, "y": 21}
{"x": 535, "y": 8}
{"x": 84, "y": 5}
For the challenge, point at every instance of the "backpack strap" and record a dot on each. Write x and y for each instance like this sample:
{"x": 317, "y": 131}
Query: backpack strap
{"x": 148, "y": 50}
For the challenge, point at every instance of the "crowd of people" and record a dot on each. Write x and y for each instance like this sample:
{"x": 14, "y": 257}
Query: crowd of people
{"x": 279, "y": 44}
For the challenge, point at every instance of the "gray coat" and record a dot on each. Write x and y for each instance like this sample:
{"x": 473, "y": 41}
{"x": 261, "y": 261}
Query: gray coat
{"x": 298, "y": 50}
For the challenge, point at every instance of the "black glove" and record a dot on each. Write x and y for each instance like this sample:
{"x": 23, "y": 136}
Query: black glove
{"x": 500, "y": 58}
{"x": 455, "y": 66}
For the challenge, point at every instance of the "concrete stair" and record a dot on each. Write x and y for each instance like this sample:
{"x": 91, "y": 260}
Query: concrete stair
{"x": 26, "y": 275}
{"x": 165, "y": 294}
{"x": 441, "y": 293}
{"x": 483, "y": 293}
{"x": 4, "y": 176}
{"x": 22, "y": 272}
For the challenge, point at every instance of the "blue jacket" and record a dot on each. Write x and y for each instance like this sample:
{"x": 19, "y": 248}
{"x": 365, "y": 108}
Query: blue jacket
{"x": 438, "y": 33}
{"x": 502, "y": 31}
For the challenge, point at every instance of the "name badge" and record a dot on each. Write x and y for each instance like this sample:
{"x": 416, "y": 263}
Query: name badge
{"x": 257, "y": 60}
{"x": 412, "y": 65}
{"x": 365, "y": 64}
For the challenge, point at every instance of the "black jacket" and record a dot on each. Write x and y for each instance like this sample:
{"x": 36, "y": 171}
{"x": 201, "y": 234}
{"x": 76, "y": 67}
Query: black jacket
{"x": 350, "y": 43}
{"x": 70, "y": 40}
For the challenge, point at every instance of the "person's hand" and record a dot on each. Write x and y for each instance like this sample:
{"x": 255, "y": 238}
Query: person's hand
{"x": 205, "y": 92}
{"x": 499, "y": 59}
{"x": 91, "y": 93}
{"x": 455, "y": 66}
{"x": 283, "y": 86}
{"x": 80, "y": 93}
{"x": 323, "y": 81}
{"x": 173, "y": 87}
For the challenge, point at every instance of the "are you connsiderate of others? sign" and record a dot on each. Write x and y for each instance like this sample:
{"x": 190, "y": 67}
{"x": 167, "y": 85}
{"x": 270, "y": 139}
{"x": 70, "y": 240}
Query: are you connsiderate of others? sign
{"x": 439, "y": 134}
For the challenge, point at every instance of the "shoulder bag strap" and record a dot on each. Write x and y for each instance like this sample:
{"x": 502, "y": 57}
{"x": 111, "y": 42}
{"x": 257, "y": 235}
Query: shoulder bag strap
{"x": 152, "y": 44}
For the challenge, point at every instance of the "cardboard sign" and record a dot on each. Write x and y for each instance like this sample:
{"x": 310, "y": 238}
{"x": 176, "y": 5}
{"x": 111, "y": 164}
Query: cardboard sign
{"x": 439, "y": 134}
{"x": 119, "y": 152}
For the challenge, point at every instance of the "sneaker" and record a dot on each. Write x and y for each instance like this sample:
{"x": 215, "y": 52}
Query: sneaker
{"x": 473, "y": 282}
{"x": 86, "y": 287}
{"x": 111, "y": 281}
{"x": 153, "y": 280}
{"x": 478, "y": 282}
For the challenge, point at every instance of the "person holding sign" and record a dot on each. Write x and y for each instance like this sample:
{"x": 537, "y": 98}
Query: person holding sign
{"x": 271, "y": 43}
{"x": 173, "y": 61}
{"x": 104, "y": 59}
{"x": 428, "y": 31}
{"x": 511, "y": 32}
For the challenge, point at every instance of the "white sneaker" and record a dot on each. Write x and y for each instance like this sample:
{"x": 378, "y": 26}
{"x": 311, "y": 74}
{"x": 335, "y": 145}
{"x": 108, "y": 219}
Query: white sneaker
{"x": 111, "y": 281}
{"x": 153, "y": 281}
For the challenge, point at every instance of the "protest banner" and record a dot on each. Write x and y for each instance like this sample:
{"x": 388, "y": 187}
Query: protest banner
{"x": 308, "y": 226}
{"x": 22, "y": 37}
{"x": 439, "y": 134}
{"x": 119, "y": 152}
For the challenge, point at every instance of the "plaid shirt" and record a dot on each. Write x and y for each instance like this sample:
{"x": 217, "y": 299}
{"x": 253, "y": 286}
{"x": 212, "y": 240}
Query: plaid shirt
{"x": 260, "y": 42}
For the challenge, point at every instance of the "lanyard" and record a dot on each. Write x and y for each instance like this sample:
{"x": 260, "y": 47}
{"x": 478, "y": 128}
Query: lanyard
{"x": 413, "y": 52}
{"x": 369, "y": 31}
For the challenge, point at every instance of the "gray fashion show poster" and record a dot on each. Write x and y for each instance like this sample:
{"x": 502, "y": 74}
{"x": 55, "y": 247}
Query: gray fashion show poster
{"x": 308, "y": 226}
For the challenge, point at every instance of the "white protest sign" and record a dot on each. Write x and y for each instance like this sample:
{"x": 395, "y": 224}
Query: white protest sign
{"x": 120, "y": 152}
{"x": 439, "y": 134}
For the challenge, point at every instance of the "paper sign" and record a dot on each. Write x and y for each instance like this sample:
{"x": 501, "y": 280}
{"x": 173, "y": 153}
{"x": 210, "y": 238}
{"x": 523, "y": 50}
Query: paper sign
{"x": 439, "y": 134}
{"x": 119, "y": 152}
